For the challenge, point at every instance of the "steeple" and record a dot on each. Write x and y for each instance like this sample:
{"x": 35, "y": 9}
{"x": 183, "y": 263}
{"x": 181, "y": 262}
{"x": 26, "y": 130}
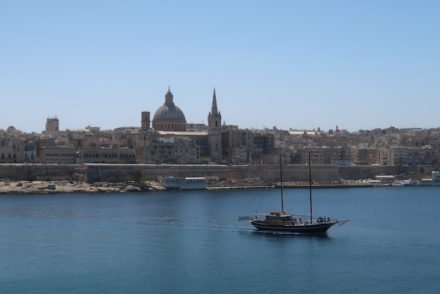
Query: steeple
{"x": 214, "y": 117}
{"x": 215, "y": 132}
{"x": 214, "y": 109}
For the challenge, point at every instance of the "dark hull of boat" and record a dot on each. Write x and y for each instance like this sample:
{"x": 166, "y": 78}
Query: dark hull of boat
{"x": 311, "y": 229}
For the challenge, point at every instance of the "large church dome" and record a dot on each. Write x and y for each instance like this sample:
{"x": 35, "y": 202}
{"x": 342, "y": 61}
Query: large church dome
{"x": 169, "y": 117}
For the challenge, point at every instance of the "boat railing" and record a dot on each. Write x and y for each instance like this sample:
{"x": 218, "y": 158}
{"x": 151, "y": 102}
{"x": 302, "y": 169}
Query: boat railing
{"x": 298, "y": 219}
{"x": 324, "y": 219}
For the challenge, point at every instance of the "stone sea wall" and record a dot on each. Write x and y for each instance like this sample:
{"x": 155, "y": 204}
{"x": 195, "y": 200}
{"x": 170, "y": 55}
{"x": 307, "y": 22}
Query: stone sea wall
{"x": 136, "y": 172}
{"x": 42, "y": 172}
{"x": 266, "y": 173}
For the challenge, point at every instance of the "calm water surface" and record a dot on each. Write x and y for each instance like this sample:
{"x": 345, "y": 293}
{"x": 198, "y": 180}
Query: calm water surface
{"x": 191, "y": 242}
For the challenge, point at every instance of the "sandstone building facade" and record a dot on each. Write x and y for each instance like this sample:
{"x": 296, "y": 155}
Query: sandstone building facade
{"x": 169, "y": 139}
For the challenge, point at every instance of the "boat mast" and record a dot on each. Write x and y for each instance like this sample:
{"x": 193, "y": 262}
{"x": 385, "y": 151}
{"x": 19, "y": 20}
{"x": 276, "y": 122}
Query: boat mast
{"x": 281, "y": 179}
{"x": 310, "y": 187}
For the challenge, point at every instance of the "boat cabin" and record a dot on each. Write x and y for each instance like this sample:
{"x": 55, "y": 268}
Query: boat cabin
{"x": 278, "y": 217}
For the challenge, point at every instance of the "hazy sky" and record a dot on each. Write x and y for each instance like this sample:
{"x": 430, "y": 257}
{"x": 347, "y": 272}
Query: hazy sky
{"x": 299, "y": 64}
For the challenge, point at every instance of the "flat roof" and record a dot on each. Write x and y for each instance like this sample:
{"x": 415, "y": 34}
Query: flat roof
{"x": 301, "y": 132}
{"x": 385, "y": 177}
{"x": 176, "y": 133}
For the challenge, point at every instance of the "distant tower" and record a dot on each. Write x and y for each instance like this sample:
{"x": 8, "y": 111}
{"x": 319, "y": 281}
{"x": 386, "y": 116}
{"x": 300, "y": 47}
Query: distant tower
{"x": 215, "y": 132}
{"x": 145, "y": 122}
{"x": 52, "y": 124}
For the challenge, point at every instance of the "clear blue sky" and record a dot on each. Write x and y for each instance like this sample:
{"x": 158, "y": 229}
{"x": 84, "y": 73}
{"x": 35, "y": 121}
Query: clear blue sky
{"x": 299, "y": 64}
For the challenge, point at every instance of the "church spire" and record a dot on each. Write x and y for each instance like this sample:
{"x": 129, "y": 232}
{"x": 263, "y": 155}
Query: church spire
{"x": 215, "y": 132}
{"x": 214, "y": 108}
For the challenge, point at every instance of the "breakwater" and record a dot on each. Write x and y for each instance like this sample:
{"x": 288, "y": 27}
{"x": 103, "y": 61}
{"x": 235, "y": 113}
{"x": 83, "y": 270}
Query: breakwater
{"x": 267, "y": 173}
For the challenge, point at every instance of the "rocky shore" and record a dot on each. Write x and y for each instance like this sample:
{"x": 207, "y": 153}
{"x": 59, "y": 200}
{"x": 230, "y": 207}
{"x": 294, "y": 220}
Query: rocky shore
{"x": 57, "y": 187}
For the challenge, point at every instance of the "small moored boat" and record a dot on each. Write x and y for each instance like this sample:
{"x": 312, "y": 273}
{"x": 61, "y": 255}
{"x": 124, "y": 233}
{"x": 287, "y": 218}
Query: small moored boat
{"x": 184, "y": 183}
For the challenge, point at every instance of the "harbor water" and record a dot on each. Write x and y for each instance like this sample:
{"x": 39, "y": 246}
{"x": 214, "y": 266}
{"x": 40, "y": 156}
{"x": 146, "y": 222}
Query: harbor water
{"x": 192, "y": 242}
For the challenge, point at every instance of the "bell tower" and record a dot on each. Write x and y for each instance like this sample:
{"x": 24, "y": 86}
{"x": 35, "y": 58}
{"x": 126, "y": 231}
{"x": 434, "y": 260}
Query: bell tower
{"x": 215, "y": 132}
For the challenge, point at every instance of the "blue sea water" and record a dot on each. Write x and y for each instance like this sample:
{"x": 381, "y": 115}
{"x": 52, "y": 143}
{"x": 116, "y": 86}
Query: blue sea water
{"x": 191, "y": 242}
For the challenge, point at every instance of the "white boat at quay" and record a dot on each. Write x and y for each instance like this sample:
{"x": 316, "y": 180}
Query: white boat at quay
{"x": 184, "y": 183}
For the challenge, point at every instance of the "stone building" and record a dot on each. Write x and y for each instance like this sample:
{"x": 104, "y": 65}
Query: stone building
{"x": 401, "y": 155}
{"x": 334, "y": 155}
{"x": 106, "y": 155}
{"x": 264, "y": 145}
{"x": 11, "y": 150}
{"x": 172, "y": 150}
{"x": 196, "y": 142}
{"x": 125, "y": 137}
{"x": 169, "y": 117}
{"x": 59, "y": 154}
{"x": 52, "y": 125}
{"x": 11, "y": 145}
{"x": 145, "y": 120}
{"x": 264, "y": 142}
{"x": 364, "y": 156}
{"x": 234, "y": 142}
{"x": 30, "y": 151}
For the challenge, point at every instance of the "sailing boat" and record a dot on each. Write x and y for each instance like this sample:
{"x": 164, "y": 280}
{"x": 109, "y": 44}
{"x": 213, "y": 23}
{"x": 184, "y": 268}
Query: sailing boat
{"x": 280, "y": 221}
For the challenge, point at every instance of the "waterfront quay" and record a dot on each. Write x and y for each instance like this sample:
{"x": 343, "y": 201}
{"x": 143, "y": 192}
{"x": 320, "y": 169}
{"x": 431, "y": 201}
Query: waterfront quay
{"x": 265, "y": 172}
{"x": 91, "y": 178}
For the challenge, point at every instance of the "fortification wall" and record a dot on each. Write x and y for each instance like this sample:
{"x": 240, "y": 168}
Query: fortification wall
{"x": 267, "y": 173}
{"x": 42, "y": 172}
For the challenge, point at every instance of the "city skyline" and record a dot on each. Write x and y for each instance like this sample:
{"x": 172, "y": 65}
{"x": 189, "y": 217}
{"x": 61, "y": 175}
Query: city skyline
{"x": 290, "y": 65}
{"x": 138, "y": 124}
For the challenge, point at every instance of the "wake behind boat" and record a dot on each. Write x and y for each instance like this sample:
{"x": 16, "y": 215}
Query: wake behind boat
{"x": 280, "y": 221}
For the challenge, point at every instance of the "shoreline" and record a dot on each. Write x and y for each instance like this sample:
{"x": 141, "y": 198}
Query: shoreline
{"x": 67, "y": 187}
{"x": 70, "y": 187}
